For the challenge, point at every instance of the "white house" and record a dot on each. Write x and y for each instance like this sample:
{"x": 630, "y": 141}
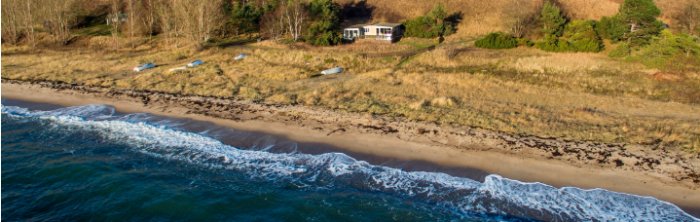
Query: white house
{"x": 354, "y": 32}
{"x": 380, "y": 31}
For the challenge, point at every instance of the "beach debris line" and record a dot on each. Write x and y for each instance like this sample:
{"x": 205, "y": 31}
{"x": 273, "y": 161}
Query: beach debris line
{"x": 240, "y": 57}
{"x": 195, "y": 63}
{"x": 331, "y": 71}
{"x": 144, "y": 66}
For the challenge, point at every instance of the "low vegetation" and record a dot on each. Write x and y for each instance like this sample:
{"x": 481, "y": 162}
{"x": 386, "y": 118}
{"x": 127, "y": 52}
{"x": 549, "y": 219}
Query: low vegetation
{"x": 669, "y": 51}
{"x": 497, "y": 40}
{"x": 435, "y": 24}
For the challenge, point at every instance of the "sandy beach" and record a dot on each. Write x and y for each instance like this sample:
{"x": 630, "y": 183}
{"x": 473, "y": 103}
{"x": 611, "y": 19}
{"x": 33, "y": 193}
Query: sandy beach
{"x": 385, "y": 142}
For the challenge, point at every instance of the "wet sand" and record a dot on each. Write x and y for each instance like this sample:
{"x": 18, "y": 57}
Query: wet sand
{"x": 395, "y": 152}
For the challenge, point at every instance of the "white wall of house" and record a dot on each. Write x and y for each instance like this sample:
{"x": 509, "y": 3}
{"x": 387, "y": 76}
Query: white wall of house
{"x": 372, "y": 29}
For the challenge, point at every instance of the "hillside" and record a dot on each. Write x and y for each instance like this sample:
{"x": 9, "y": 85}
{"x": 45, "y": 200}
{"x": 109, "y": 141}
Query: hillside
{"x": 480, "y": 17}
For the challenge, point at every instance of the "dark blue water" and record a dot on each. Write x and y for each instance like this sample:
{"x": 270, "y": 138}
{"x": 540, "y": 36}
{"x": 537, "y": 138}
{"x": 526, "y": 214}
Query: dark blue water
{"x": 90, "y": 163}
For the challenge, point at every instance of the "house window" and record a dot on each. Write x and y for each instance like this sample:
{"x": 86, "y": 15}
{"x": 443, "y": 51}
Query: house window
{"x": 384, "y": 31}
{"x": 366, "y": 29}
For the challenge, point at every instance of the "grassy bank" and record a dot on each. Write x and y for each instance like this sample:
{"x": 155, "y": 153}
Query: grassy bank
{"x": 520, "y": 91}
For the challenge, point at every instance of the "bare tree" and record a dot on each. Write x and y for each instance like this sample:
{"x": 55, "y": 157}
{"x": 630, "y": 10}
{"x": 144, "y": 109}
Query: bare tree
{"x": 58, "y": 16}
{"x": 689, "y": 18}
{"x": 149, "y": 17}
{"x": 29, "y": 21}
{"x": 18, "y": 20}
{"x": 288, "y": 19}
{"x": 114, "y": 20}
{"x": 295, "y": 16}
{"x": 11, "y": 28}
{"x": 522, "y": 18}
{"x": 195, "y": 20}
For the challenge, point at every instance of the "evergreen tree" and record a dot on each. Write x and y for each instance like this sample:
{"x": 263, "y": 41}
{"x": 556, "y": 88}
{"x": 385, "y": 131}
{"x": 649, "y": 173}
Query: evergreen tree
{"x": 640, "y": 17}
{"x": 434, "y": 24}
{"x": 325, "y": 15}
{"x": 552, "y": 19}
{"x": 553, "y": 22}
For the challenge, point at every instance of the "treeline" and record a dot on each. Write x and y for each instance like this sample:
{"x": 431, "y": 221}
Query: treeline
{"x": 635, "y": 31}
{"x": 197, "y": 21}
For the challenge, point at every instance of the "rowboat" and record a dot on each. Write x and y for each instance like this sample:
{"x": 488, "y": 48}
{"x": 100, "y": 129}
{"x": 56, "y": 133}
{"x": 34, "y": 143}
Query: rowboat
{"x": 144, "y": 67}
{"x": 335, "y": 70}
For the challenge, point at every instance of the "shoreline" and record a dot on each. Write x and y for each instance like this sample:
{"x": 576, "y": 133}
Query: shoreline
{"x": 376, "y": 136}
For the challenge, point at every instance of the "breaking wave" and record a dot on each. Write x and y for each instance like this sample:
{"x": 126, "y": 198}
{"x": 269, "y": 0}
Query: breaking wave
{"x": 495, "y": 197}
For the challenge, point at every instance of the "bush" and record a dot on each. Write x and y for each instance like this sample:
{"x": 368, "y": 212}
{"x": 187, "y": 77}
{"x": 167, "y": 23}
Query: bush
{"x": 612, "y": 28}
{"x": 671, "y": 52}
{"x": 641, "y": 13}
{"x": 580, "y": 36}
{"x": 525, "y": 42}
{"x": 548, "y": 43}
{"x": 621, "y": 50}
{"x": 552, "y": 19}
{"x": 435, "y": 24}
{"x": 323, "y": 31}
{"x": 421, "y": 27}
{"x": 497, "y": 40}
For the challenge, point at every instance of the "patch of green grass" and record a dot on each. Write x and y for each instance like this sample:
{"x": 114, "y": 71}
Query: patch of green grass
{"x": 94, "y": 30}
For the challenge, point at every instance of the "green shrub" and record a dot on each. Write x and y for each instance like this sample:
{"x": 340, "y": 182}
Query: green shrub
{"x": 642, "y": 14}
{"x": 671, "y": 52}
{"x": 552, "y": 19}
{"x": 612, "y": 28}
{"x": 323, "y": 31}
{"x": 434, "y": 24}
{"x": 525, "y": 42}
{"x": 580, "y": 36}
{"x": 549, "y": 43}
{"x": 497, "y": 40}
{"x": 621, "y": 50}
{"x": 421, "y": 27}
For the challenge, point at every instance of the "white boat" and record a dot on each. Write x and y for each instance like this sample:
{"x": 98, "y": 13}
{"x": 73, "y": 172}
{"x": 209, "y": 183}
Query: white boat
{"x": 240, "y": 57}
{"x": 335, "y": 70}
{"x": 195, "y": 63}
{"x": 144, "y": 67}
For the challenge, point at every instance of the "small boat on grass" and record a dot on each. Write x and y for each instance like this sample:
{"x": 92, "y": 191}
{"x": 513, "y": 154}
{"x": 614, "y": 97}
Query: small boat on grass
{"x": 195, "y": 63}
{"x": 331, "y": 71}
{"x": 144, "y": 66}
{"x": 240, "y": 57}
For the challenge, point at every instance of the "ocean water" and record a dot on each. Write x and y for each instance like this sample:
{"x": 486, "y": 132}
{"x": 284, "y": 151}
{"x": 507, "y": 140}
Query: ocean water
{"x": 92, "y": 163}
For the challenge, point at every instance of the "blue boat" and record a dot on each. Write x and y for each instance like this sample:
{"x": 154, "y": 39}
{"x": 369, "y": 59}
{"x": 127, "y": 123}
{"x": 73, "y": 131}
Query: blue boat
{"x": 144, "y": 67}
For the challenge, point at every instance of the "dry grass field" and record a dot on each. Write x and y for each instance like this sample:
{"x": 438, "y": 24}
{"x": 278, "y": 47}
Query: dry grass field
{"x": 520, "y": 91}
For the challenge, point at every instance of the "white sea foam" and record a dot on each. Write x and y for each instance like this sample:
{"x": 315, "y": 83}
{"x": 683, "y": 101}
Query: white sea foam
{"x": 495, "y": 196}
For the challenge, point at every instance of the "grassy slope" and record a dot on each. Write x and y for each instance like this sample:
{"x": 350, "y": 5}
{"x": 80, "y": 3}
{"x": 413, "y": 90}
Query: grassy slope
{"x": 481, "y": 17}
{"x": 523, "y": 91}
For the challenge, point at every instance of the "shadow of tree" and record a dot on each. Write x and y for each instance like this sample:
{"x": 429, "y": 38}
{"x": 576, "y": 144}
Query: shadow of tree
{"x": 357, "y": 12}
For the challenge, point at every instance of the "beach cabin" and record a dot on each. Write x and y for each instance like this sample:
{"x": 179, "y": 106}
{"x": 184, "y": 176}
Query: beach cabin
{"x": 380, "y": 31}
{"x": 354, "y": 32}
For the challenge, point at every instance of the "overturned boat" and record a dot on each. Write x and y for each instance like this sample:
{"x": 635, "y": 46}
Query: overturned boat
{"x": 195, "y": 63}
{"x": 331, "y": 71}
{"x": 240, "y": 57}
{"x": 144, "y": 67}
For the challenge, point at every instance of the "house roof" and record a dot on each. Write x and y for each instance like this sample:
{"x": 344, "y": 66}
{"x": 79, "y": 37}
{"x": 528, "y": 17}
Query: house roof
{"x": 387, "y": 24}
{"x": 383, "y": 24}
{"x": 358, "y": 26}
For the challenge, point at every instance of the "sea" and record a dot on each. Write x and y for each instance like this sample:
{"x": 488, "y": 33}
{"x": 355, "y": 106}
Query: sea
{"x": 93, "y": 163}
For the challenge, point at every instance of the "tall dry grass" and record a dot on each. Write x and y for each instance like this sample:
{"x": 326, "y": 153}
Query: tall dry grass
{"x": 520, "y": 91}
